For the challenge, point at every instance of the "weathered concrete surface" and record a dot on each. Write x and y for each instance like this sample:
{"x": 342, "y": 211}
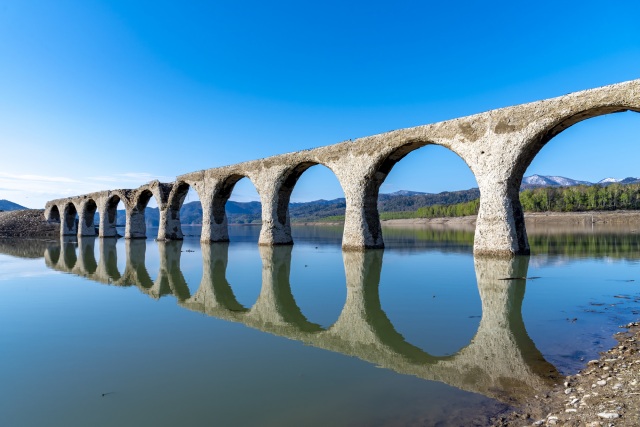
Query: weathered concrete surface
{"x": 501, "y": 361}
{"x": 497, "y": 146}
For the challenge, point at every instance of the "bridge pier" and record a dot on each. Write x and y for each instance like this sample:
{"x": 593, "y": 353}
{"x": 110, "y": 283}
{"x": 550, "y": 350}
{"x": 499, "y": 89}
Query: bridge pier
{"x": 68, "y": 226}
{"x": 108, "y": 211}
{"x": 500, "y": 229}
{"x": 276, "y": 225}
{"x": 360, "y": 183}
{"x": 135, "y": 227}
{"x": 86, "y": 218}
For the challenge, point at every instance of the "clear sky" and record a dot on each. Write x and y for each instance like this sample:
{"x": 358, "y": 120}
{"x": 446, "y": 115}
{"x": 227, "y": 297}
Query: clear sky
{"x": 111, "y": 94}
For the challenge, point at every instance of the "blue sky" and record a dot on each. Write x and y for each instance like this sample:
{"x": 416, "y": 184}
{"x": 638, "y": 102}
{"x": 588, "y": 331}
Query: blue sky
{"x": 111, "y": 94}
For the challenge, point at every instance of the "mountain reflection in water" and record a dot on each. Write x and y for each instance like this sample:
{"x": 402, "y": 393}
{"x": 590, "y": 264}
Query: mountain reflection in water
{"x": 500, "y": 362}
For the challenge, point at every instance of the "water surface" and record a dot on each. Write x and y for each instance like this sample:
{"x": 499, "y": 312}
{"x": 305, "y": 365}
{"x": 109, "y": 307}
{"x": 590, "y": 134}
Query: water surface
{"x": 114, "y": 332}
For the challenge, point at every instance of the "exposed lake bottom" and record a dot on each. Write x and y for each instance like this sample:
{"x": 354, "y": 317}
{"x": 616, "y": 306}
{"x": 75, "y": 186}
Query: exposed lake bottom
{"x": 114, "y": 332}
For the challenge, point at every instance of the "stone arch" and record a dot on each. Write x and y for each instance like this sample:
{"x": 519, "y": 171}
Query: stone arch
{"x": 285, "y": 185}
{"x": 109, "y": 215}
{"x": 547, "y": 132}
{"x": 221, "y": 194}
{"x": 369, "y": 189}
{"x": 68, "y": 225}
{"x": 532, "y": 146}
{"x": 372, "y": 188}
{"x": 173, "y": 228}
{"x": 52, "y": 214}
{"x": 86, "y": 217}
{"x": 136, "y": 227}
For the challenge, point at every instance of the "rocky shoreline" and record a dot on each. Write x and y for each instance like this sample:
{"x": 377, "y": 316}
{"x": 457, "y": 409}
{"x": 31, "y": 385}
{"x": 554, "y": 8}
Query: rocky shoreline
{"x": 605, "y": 393}
{"x": 28, "y": 223}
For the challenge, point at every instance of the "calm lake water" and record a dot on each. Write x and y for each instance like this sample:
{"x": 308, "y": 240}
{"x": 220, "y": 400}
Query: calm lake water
{"x": 129, "y": 333}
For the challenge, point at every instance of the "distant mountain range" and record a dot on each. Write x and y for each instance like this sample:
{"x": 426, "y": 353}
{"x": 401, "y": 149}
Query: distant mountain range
{"x": 6, "y": 205}
{"x": 561, "y": 181}
{"x": 403, "y": 200}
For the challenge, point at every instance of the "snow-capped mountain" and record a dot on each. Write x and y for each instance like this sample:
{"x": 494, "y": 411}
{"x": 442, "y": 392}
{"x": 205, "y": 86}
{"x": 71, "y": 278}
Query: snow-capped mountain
{"x": 561, "y": 181}
{"x": 628, "y": 180}
{"x": 405, "y": 193}
{"x": 609, "y": 181}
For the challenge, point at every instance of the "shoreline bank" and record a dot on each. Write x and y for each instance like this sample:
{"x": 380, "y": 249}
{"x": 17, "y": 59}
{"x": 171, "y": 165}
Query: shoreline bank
{"x": 605, "y": 393}
{"x": 535, "y": 218}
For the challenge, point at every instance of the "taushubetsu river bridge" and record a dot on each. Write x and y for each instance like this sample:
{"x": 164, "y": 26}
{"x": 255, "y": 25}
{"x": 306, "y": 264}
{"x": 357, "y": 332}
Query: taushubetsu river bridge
{"x": 497, "y": 145}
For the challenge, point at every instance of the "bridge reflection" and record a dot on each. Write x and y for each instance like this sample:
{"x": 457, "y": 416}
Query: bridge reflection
{"x": 501, "y": 361}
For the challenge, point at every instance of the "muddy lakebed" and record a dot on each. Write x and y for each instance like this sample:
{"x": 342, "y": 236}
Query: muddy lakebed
{"x": 114, "y": 332}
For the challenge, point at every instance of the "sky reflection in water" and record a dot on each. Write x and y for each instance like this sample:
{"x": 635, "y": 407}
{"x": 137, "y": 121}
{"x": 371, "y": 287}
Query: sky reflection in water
{"x": 423, "y": 308}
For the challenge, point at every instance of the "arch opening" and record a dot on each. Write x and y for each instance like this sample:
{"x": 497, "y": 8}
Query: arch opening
{"x": 236, "y": 202}
{"x": 243, "y": 273}
{"x": 87, "y": 218}
{"x": 137, "y": 221}
{"x": 54, "y": 214}
{"x": 417, "y": 182}
{"x": 418, "y": 304}
{"x": 69, "y": 225}
{"x": 593, "y": 123}
{"x": 170, "y": 223}
{"x": 310, "y": 194}
{"x": 109, "y": 217}
{"x": 191, "y": 212}
{"x": 317, "y": 286}
{"x": 575, "y": 173}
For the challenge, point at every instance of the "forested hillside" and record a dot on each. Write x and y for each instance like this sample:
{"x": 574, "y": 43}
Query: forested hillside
{"x": 423, "y": 205}
{"x": 579, "y": 198}
{"x": 248, "y": 212}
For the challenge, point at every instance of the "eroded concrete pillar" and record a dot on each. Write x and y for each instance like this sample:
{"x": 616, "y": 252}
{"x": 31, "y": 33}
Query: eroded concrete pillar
{"x": 108, "y": 211}
{"x": 357, "y": 176}
{"x": 211, "y": 231}
{"x": 86, "y": 218}
{"x": 500, "y": 229}
{"x": 170, "y": 227}
{"x": 68, "y": 226}
{"x": 276, "y": 227}
{"x": 136, "y": 227}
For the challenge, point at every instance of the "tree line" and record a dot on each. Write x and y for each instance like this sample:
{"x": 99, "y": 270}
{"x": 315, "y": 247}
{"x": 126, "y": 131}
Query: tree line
{"x": 581, "y": 198}
{"x": 577, "y": 198}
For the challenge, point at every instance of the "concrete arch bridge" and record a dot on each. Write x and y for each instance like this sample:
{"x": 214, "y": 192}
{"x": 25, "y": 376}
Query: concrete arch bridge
{"x": 500, "y": 361}
{"x": 497, "y": 145}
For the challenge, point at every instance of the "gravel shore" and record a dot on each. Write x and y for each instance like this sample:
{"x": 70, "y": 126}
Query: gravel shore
{"x": 27, "y": 223}
{"x": 605, "y": 393}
